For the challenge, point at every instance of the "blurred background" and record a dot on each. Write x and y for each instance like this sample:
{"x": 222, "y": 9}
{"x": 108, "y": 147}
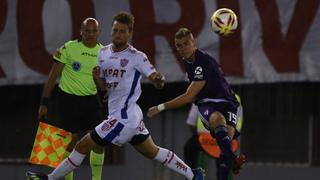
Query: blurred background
{"x": 272, "y": 61}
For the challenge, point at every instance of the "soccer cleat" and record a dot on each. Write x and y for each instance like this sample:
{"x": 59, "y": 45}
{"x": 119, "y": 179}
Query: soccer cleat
{"x": 238, "y": 164}
{"x": 36, "y": 176}
{"x": 198, "y": 174}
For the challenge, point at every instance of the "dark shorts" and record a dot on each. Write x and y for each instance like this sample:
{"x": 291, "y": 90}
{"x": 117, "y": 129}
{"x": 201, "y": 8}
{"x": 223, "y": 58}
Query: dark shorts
{"x": 79, "y": 114}
{"x": 228, "y": 110}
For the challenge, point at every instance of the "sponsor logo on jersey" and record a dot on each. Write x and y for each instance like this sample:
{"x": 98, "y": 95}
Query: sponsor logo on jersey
{"x": 88, "y": 54}
{"x": 198, "y": 70}
{"x": 198, "y": 73}
{"x": 76, "y": 66}
{"x": 114, "y": 72}
{"x": 124, "y": 62}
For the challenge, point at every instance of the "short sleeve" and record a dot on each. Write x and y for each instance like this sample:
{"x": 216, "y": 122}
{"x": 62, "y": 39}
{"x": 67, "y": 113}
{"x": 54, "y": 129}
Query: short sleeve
{"x": 61, "y": 54}
{"x": 144, "y": 66}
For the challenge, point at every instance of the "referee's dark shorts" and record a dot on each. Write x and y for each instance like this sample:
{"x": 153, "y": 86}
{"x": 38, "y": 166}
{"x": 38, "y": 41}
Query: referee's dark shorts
{"x": 78, "y": 114}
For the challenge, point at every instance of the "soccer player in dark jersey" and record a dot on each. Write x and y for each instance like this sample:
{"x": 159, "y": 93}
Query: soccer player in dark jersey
{"x": 216, "y": 102}
{"x": 79, "y": 109}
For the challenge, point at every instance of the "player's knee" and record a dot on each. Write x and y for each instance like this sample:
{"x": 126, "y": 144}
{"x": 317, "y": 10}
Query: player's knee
{"x": 85, "y": 145}
{"x": 147, "y": 148}
{"x": 216, "y": 119}
{"x": 151, "y": 153}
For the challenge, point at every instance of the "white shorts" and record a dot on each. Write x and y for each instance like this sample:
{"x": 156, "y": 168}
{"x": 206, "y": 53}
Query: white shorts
{"x": 120, "y": 131}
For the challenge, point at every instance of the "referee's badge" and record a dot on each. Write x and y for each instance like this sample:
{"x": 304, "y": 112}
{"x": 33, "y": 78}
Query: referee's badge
{"x": 124, "y": 62}
{"x": 76, "y": 66}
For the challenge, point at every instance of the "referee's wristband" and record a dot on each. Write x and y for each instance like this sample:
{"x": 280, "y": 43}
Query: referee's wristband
{"x": 161, "y": 107}
{"x": 44, "y": 101}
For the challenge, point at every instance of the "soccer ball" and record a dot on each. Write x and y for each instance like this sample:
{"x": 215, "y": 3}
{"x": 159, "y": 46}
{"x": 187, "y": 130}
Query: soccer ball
{"x": 224, "y": 21}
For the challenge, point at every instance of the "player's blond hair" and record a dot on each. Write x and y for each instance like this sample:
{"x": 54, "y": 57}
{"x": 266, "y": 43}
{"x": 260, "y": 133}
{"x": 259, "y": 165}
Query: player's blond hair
{"x": 183, "y": 32}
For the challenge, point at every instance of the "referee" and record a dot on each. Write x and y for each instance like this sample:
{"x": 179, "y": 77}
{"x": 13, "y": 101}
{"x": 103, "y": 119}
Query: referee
{"x": 79, "y": 109}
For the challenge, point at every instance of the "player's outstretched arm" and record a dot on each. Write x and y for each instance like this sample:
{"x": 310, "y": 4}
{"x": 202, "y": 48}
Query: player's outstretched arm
{"x": 185, "y": 98}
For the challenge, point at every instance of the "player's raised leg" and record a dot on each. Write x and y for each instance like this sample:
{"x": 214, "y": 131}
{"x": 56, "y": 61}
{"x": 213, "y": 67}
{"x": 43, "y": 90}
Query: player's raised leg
{"x": 223, "y": 134}
{"x": 166, "y": 158}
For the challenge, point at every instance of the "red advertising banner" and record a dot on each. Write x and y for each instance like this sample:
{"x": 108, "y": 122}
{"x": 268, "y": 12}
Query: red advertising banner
{"x": 275, "y": 41}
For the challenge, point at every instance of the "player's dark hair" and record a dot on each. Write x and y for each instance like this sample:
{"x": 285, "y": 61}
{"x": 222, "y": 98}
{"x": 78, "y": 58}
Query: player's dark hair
{"x": 183, "y": 32}
{"x": 124, "y": 18}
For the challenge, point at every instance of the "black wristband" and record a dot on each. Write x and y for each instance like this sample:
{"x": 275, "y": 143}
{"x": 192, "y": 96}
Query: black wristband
{"x": 44, "y": 101}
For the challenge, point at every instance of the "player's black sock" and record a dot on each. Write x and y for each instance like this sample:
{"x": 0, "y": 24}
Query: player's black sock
{"x": 223, "y": 140}
{"x": 217, "y": 165}
{"x": 226, "y": 157}
{"x": 224, "y": 167}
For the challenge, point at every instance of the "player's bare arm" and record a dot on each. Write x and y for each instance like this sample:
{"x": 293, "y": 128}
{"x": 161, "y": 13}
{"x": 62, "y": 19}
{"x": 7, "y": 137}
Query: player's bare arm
{"x": 185, "y": 98}
{"x": 98, "y": 80}
{"x": 157, "y": 79}
{"x": 48, "y": 87}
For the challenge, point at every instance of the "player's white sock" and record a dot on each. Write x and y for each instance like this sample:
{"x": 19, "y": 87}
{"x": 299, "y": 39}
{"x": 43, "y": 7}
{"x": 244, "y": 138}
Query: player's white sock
{"x": 172, "y": 161}
{"x": 70, "y": 163}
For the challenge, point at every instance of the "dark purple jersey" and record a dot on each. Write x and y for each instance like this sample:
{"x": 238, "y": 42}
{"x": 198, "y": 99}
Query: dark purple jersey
{"x": 205, "y": 68}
